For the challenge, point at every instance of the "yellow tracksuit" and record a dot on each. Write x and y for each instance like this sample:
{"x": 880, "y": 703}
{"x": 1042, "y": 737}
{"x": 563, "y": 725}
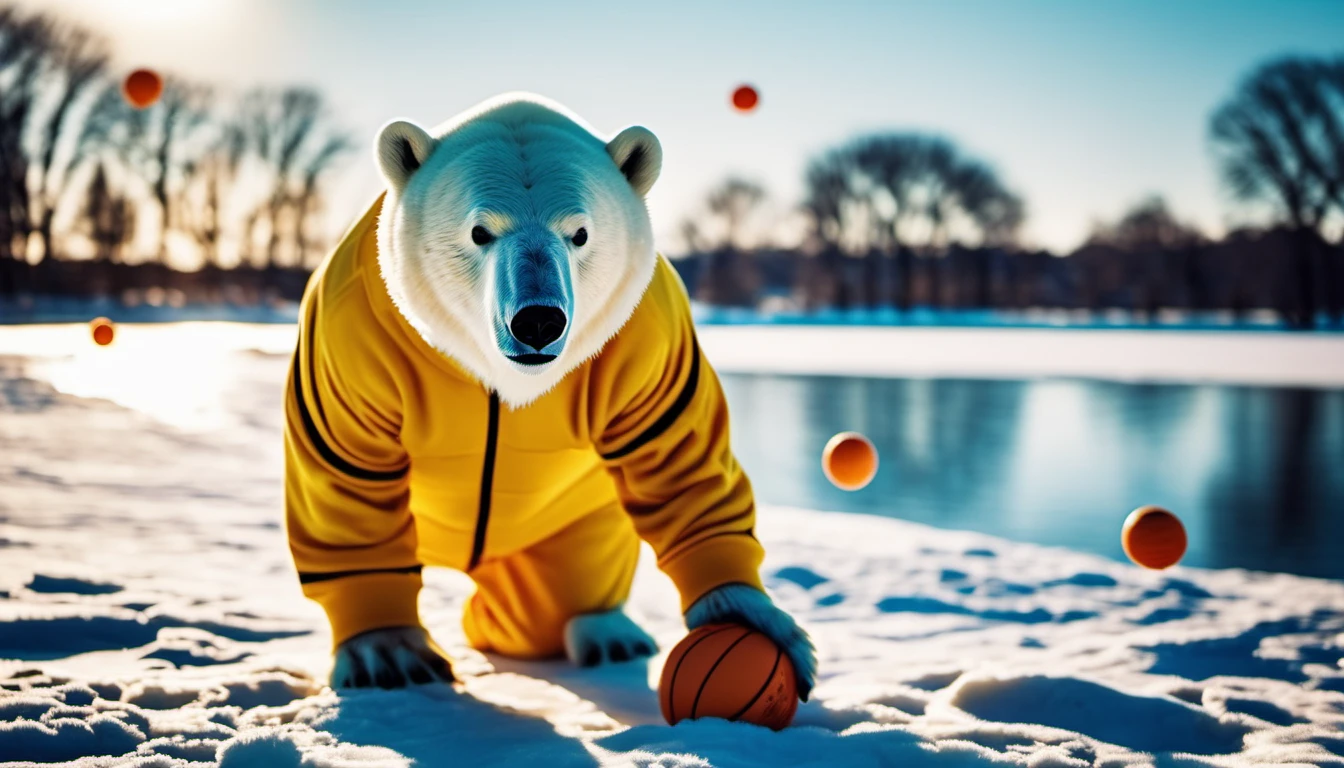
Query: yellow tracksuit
{"x": 397, "y": 458}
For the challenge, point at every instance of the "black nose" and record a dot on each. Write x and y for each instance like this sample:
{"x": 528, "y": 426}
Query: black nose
{"x": 538, "y": 326}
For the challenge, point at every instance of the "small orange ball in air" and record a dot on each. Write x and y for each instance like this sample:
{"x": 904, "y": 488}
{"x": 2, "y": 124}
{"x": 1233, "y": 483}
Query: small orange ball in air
{"x": 1153, "y": 538}
{"x": 849, "y": 461}
{"x": 102, "y": 330}
{"x": 142, "y": 88}
{"x": 745, "y": 98}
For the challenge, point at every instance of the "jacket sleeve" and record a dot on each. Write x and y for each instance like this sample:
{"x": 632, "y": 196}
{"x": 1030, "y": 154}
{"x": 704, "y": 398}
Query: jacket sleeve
{"x": 346, "y": 490}
{"x": 667, "y": 447}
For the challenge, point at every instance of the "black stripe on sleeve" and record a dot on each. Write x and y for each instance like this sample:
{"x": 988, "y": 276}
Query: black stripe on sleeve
{"x": 670, "y": 415}
{"x": 308, "y": 577}
{"x": 333, "y": 459}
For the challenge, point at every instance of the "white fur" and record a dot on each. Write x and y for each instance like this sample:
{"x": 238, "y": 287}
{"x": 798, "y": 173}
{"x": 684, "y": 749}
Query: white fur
{"x": 596, "y": 638}
{"x": 425, "y": 252}
{"x": 625, "y": 143}
{"x": 396, "y": 138}
{"x": 741, "y": 604}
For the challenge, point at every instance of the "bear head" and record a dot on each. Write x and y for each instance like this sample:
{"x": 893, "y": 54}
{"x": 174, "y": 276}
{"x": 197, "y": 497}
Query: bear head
{"x": 513, "y": 239}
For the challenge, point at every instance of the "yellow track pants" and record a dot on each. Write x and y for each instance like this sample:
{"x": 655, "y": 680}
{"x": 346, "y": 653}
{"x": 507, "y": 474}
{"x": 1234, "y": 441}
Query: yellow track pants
{"x": 524, "y": 600}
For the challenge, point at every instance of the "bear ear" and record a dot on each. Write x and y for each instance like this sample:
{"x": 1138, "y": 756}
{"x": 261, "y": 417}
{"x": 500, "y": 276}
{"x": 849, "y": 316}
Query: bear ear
{"x": 639, "y": 156}
{"x": 401, "y": 148}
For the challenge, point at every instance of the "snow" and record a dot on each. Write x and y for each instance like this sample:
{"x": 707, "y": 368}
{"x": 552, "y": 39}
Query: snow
{"x": 150, "y": 617}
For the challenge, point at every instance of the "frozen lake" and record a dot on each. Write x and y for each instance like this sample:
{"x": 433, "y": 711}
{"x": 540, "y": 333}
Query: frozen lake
{"x": 1254, "y": 472}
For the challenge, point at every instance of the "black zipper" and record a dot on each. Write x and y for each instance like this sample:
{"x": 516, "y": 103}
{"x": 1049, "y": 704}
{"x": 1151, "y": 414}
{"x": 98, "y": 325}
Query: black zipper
{"x": 487, "y": 480}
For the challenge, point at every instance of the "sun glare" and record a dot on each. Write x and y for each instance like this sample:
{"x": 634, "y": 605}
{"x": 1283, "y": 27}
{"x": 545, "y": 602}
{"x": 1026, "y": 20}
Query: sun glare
{"x": 137, "y": 13}
{"x": 180, "y": 374}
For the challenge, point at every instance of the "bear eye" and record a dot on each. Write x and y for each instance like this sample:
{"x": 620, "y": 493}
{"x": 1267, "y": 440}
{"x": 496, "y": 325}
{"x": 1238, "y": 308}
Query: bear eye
{"x": 580, "y": 237}
{"x": 481, "y": 236}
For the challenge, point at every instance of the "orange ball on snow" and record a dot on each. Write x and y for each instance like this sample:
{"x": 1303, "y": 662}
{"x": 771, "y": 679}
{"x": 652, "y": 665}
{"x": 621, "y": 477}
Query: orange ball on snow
{"x": 730, "y": 672}
{"x": 745, "y": 98}
{"x": 102, "y": 330}
{"x": 849, "y": 461}
{"x": 1153, "y": 538}
{"x": 142, "y": 88}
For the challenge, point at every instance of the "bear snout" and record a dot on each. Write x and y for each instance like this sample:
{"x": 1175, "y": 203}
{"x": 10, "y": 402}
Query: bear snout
{"x": 532, "y": 307}
{"x": 537, "y": 326}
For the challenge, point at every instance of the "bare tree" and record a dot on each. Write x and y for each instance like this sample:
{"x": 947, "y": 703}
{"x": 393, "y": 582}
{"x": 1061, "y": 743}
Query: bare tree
{"x": 913, "y": 183}
{"x": 1147, "y": 254}
{"x": 308, "y": 199}
{"x": 733, "y": 203}
{"x": 998, "y": 213}
{"x": 1149, "y": 225}
{"x": 68, "y": 138}
{"x": 72, "y": 69}
{"x": 108, "y": 217}
{"x": 879, "y": 196}
{"x": 163, "y": 142}
{"x": 828, "y": 184}
{"x": 1280, "y": 139}
{"x": 23, "y": 47}
{"x": 295, "y": 138}
{"x": 210, "y": 183}
{"x": 721, "y": 234}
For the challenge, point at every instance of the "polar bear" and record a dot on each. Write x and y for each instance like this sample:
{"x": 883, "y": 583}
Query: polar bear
{"x": 497, "y": 373}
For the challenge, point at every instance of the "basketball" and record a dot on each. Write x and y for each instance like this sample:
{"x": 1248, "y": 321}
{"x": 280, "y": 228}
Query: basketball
{"x": 730, "y": 672}
{"x": 142, "y": 88}
{"x": 1153, "y": 538}
{"x": 102, "y": 330}
{"x": 849, "y": 461}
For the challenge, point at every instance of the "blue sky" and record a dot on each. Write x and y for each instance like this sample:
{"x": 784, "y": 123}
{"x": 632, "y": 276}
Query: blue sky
{"x": 1084, "y": 107}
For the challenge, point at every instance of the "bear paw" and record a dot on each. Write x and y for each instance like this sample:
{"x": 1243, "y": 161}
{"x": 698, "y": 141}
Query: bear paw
{"x": 597, "y": 638}
{"x": 394, "y": 657}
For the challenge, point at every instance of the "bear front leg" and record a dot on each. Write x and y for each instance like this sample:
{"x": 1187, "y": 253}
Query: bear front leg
{"x": 596, "y": 638}
{"x": 392, "y": 657}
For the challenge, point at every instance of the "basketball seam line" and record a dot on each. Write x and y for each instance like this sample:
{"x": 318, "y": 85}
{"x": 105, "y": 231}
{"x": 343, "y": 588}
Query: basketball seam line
{"x": 778, "y": 654}
{"x": 696, "y": 704}
{"x": 672, "y": 682}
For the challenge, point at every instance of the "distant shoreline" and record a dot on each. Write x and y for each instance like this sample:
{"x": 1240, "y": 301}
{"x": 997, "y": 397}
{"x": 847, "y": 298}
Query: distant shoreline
{"x": 1255, "y": 358}
{"x": 55, "y": 310}
{"x": 1224, "y": 356}
{"x": 51, "y": 311}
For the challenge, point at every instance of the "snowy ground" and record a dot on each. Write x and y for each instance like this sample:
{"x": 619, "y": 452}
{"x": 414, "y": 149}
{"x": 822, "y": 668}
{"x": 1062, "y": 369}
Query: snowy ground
{"x": 149, "y": 616}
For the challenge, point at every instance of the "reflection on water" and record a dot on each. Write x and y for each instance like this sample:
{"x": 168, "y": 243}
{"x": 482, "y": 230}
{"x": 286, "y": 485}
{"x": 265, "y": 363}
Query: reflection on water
{"x": 1256, "y": 474}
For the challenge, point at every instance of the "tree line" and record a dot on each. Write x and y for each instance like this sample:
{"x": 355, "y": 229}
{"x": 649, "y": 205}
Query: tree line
{"x": 901, "y": 220}
{"x": 205, "y": 192}
{"x": 218, "y": 196}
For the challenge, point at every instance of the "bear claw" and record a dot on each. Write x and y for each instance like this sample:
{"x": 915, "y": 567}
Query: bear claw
{"x": 611, "y": 636}
{"x": 389, "y": 658}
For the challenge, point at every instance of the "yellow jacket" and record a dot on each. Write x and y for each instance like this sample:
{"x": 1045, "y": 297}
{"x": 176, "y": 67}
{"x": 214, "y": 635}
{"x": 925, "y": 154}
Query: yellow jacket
{"x": 397, "y": 458}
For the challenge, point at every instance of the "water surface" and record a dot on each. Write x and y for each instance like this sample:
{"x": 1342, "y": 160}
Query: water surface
{"x": 1255, "y": 473}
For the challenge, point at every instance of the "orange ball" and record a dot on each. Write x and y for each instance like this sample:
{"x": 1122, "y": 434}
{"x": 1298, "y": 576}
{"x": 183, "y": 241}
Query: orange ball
{"x": 849, "y": 461}
{"x": 730, "y": 672}
{"x": 102, "y": 330}
{"x": 745, "y": 98}
{"x": 142, "y": 88}
{"x": 1153, "y": 538}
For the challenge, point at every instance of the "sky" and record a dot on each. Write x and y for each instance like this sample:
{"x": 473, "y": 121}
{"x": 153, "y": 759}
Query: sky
{"x": 1084, "y": 108}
